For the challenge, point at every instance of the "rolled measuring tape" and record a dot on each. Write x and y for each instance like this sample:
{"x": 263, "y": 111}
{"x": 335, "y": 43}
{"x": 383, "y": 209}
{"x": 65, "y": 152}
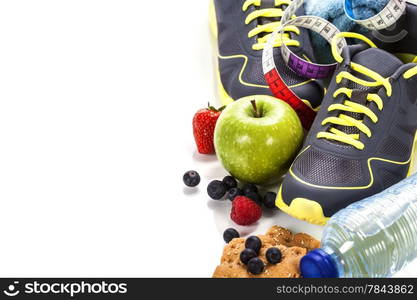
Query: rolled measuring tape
{"x": 299, "y": 65}
{"x": 387, "y": 17}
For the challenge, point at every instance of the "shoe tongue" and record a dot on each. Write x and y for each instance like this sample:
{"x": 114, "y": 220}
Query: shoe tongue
{"x": 265, "y": 4}
{"x": 378, "y": 60}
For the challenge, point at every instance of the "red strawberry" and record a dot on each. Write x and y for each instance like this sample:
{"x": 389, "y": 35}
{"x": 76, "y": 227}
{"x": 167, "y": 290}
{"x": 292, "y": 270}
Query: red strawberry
{"x": 245, "y": 211}
{"x": 204, "y": 123}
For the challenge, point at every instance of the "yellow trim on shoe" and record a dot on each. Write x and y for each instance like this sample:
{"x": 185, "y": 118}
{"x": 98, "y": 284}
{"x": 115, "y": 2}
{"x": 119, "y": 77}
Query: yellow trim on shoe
{"x": 311, "y": 211}
{"x": 213, "y": 19}
{"x": 252, "y": 84}
{"x": 411, "y": 170}
{"x": 407, "y": 57}
{"x": 245, "y": 62}
{"x": 303, "y": 209}
{"x": 354, "y": 187}
{"x": 225, "y": 98}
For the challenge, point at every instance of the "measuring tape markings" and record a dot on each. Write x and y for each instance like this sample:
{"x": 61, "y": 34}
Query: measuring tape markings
{"x": 301, "y": 66}
{"x": 386, "y": 18}
{"x": 304, "y": 67}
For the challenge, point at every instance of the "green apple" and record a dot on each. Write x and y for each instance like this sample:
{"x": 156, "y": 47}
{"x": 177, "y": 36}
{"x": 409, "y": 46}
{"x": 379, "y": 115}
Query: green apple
{"x": 256, "y": 140}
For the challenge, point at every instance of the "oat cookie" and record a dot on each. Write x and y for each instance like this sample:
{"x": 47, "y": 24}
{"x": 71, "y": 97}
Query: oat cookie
{"x": 293, "y": 248}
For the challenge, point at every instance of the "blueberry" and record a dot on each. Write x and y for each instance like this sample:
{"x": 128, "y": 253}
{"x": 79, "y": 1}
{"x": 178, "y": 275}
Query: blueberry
{"x": 233, "y": 193}
{"x": 230, "y": 234}
{"x": 216, "y": 189}
{"x": 254, "y": 243}
{"x": 191, "y": 178}
{"x": 230, "y": 182}
{"x": 255, "y": 197}
{"x": 273, "y": 255}
{"x": 256, "y": 266}
{"x": 269, "y": 200}
{"x": 248, "y": 188}
{"x": 246, "y": 255}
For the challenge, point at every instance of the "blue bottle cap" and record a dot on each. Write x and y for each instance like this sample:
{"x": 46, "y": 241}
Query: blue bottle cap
{"x": 318, "y": 264}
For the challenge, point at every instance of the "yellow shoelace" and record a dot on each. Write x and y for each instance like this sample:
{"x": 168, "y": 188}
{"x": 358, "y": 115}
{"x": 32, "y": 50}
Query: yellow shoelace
{"x": 353, "y": 107}
{"x": 268, "y": 28}
{"x": 410, "y": 73}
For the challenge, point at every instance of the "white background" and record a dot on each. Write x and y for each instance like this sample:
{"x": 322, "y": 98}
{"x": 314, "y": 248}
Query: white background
{"x": 96, "y": 103}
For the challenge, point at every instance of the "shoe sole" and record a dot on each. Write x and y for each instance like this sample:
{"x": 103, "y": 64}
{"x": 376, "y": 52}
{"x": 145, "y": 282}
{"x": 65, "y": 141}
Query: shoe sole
{"x": 303, "y": 209}
{"x": 311, "y": 211}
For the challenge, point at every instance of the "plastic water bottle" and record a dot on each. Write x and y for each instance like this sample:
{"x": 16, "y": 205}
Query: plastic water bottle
{"x": 375, "y": 237}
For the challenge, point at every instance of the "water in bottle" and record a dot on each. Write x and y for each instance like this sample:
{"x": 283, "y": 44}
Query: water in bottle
{"x": 375, "y": 237}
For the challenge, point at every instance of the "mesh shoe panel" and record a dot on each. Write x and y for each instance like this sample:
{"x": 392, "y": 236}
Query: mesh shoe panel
{"x": 389, "y": 178}
{"x": 393, "y": 146}
{"x": 321, "y": 168}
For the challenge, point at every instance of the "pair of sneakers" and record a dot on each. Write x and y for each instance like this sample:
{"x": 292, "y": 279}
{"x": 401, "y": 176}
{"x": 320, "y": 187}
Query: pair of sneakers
{"x": 364, "y": 137}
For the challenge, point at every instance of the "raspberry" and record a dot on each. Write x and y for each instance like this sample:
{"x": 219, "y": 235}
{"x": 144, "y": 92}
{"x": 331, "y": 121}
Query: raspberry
{"x": 245, "y": 211}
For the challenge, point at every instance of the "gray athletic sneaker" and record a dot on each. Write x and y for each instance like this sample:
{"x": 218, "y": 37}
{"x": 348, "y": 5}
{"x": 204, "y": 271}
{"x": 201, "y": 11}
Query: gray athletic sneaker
{"x": 242, "y": 28}
{"x": 362, "y": 140}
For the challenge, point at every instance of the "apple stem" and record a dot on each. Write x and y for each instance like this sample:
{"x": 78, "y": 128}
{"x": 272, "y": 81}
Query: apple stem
{"x": 255, "y": 109}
